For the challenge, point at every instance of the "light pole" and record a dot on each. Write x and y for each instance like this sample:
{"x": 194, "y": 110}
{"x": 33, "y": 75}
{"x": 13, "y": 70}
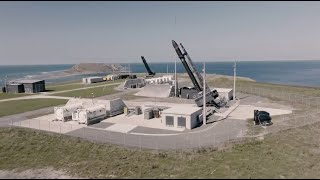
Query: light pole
{"x": 5, "y": 85}
{"x": 234, "y": 80}
{"x": 92, "y": 97}
{"x": 204, "y": 94}
{"x": 175, "y": 77}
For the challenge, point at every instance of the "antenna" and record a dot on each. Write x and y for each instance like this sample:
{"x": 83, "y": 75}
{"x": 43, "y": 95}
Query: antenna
{"x": 167, "y": 69}
{"x": 6, "y": 77}
{"x": 175, "y": 67}
{"x": 234, "y": 80}
{"x": 204, "y": 95}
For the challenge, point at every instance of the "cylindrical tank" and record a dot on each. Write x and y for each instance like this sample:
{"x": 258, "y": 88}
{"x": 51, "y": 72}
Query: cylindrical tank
{"x": 64, "y": 112}
{"x": 92, "y": 114}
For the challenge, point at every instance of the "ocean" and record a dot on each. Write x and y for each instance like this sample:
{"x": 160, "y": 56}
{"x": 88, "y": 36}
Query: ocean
{"x": 301, "y": 73}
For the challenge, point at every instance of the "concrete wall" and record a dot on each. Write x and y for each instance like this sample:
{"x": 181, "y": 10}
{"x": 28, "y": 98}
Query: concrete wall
{"x": 195, "y": 118}
{"x": 39, "y": 87}
{"x": 160, "y": 80}
{"x": 134, "y": 82}
{"x": 175, "y": 120}
{"x": 15, "y": 88}
{"x": 191, "y": 120}
{"x": 34, "y": 87}
{"x": 225, "y": 92}
{"x": 28, "y": 88}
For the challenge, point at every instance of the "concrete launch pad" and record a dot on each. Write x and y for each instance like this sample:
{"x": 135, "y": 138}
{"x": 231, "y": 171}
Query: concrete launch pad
{"x": 156, "y": 90}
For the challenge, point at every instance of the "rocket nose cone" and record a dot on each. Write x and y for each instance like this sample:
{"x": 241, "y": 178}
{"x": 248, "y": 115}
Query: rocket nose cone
{"x": 174, "y": 43}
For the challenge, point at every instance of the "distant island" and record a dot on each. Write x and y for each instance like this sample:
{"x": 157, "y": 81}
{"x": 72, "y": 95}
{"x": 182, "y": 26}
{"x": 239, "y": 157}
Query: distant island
{"x": 82, "y": 68}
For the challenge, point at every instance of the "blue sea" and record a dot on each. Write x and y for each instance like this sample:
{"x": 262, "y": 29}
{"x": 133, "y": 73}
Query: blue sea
{"x": 301, "y": 73}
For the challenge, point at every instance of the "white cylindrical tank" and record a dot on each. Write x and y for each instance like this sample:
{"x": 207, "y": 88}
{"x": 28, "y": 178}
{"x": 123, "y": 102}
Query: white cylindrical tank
{"x": 65, "y": 112}
{"x": 89, "y": 115}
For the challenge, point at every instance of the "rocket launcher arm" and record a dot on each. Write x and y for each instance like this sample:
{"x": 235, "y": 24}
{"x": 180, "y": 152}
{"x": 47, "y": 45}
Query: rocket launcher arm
{"x": 194, "y": 70}
{"x": 186, "y": 66}
{"x": 147, "y": 66}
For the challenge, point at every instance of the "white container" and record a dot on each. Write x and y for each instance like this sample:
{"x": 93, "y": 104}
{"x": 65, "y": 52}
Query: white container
{"x": 65, "y": 112}
{"x": 114, "y": 106}
{"x": 92, "y": 114}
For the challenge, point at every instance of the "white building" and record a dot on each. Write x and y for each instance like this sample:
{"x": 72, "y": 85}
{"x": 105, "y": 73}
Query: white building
{"x": 181, "y": 116}
{"x": 91, "y": 109}
{"x": 90, "y": 114}
{"x": 226, "y": 93}
{"x": 89, "y": 80}
{"x": 64, "y": 113}
{"x": 160, "y": 80}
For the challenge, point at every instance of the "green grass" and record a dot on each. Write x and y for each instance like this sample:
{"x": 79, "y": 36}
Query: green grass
{"x": 12, "y": 95}
{"x": 289, "y": 154}
{"x": 226, "y": 82}
{"x": 63, "y": 83}
{"x": 79, "y": 85}
{"x": 87, "y": 93}
{"x": 20, "y": 106}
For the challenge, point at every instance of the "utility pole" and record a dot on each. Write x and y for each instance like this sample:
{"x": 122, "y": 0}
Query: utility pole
{"x": 167, "y": 69}
{"x": 175, "y": 66}
{"x": 129, "y": 69}
{"x": 175, "y": 77}
{"x": 204, "y": 94}
{"x": 234, "y": 80}
{"x": 5, "y": 85}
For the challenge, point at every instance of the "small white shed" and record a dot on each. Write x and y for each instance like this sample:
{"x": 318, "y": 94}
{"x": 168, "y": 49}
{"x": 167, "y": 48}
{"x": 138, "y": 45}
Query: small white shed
{"x": 181, "y": 116}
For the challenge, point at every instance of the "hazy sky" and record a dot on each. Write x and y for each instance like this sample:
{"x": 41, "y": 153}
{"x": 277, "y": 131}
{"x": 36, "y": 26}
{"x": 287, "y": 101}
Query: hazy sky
{"x": 73, "y": 32}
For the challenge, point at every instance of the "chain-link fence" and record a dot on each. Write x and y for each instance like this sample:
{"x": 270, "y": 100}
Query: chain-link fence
{"x": 188, "y": 145}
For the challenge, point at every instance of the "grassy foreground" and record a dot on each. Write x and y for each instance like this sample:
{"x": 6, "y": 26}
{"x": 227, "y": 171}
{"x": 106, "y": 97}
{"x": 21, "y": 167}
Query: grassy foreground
{"x": 226, "y": 82}
{"x": 87, "y": 93}
{"x": 289, "y": 154}
{"x": 20, "y": 106}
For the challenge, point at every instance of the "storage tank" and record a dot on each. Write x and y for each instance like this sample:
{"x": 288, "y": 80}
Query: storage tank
{"x": 65, "y": 112}
{"x": 91, "y": 115}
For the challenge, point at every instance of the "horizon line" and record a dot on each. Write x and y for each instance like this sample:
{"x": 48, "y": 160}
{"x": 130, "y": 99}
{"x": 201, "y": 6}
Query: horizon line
{"x": 161, "y": 62}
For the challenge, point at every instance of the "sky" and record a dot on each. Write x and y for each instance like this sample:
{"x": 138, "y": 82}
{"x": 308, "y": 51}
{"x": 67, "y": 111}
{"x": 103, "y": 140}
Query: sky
{"x": 120, "y": 32}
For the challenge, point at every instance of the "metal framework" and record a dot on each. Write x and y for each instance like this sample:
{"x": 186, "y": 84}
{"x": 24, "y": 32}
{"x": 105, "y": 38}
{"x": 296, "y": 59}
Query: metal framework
{"x": 150, "y": 73}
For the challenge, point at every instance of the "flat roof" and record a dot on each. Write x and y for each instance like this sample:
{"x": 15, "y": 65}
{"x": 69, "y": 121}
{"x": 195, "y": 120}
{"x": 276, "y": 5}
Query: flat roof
{"x": 182, "y": 109}
{"x": 14, "y": 84}
{"x": 23, "y": 81}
